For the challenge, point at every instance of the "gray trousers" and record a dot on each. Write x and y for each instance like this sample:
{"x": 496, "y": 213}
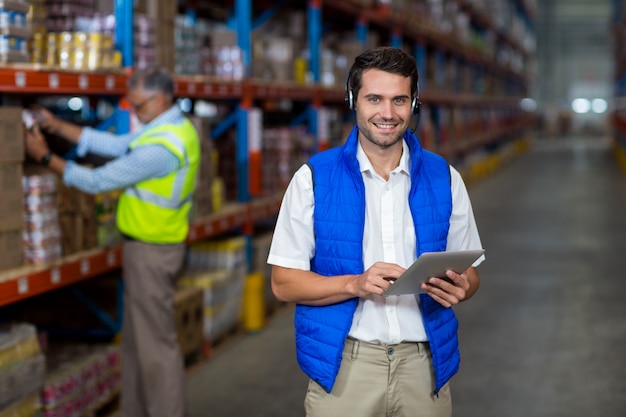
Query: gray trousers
{"x": 152, "y": 365}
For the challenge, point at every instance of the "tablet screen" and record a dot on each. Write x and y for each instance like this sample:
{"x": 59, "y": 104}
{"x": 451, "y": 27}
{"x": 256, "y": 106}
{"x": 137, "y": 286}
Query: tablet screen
{"x": 432, "y": 264}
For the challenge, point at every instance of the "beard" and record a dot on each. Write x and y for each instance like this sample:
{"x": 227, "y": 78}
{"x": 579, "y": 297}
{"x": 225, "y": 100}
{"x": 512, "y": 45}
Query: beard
{"x": 381, "y": 140}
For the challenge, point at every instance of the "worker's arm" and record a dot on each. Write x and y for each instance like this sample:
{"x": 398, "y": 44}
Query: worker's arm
{"x": 52, "y": 124}
{"x": 306, "y": 287}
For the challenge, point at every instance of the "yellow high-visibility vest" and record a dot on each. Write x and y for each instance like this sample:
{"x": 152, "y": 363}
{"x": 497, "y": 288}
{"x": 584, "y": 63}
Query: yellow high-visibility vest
{"x": 156, "y": 210}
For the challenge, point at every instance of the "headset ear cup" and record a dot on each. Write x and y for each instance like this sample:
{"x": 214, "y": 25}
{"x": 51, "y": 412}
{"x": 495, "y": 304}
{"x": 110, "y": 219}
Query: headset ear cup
{"x": 415, "y": 105}
{"x": 348, "y": 96}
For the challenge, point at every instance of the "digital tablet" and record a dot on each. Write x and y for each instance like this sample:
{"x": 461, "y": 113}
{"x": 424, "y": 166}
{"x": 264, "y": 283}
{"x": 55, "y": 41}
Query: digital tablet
{"x": 432, "y": 264}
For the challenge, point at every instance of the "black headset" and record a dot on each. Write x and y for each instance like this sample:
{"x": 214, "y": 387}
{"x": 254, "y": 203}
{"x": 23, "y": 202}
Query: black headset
{"x": 349, "y": 96}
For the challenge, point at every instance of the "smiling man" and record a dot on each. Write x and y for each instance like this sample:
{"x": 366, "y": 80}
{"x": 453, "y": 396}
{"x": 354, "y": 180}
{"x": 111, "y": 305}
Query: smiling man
{"x": 156, "y": 167}
{"x": 352, "y": 220}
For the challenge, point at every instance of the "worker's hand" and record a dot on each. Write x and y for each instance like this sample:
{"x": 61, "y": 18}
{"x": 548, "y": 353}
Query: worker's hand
{"x": 448, "y": 291}
{"x": 35, "y": 144}
{"x": 376, "y": 279}
{"x": 46, "y": 120}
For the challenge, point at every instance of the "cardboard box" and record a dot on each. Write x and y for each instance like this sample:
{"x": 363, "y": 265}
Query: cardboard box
{"x": 189, "y": 311}
{"x": 161, "y": 9}
{"x": 11, "y": 135}
{"x": 11, "y": 249}
{"x": 73, "y": 200}
{"x": 11, "y": 203}
{"x": 223, "y": 37}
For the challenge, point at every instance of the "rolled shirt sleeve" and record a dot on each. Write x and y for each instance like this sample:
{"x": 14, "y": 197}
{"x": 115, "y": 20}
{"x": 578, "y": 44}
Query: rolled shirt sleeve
{"x": 103, "y": 143}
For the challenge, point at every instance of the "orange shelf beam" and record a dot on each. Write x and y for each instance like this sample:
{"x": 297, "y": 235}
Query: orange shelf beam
{"x": 28, "y": 80}
{"x": 28, "y": 281}
{"x": 209, "y": 87}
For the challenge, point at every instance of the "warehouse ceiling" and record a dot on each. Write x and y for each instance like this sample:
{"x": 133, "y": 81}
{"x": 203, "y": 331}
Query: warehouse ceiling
{"x": 574, "y": 25}
{"x": 582, "y": 9}
{"x": 574, "y": 47}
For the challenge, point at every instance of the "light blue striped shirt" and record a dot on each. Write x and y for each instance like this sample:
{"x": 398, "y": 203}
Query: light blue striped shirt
{"x": 128, "y": 168}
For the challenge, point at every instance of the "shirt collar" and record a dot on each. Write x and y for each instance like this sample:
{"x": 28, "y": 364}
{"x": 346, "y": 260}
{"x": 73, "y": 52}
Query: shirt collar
{"x": 168, "y": 116}
{"x": 366, "y": 165}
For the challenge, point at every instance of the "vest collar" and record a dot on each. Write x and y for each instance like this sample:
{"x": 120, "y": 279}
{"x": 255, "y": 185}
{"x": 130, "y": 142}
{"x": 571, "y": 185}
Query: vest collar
{"x": 411, "y": 152}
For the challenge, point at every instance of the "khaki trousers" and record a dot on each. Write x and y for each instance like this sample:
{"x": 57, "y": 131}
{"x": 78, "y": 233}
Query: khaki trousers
{"x": 152, "y": 365}
{"x": 382, "y": 381}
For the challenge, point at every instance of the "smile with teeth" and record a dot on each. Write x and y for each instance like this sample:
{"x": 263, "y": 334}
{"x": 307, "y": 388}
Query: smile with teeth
{"x": 384, "y": 126}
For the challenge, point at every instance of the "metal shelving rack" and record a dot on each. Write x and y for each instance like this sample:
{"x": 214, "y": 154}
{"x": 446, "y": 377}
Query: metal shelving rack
{"x": 28, "y": 281}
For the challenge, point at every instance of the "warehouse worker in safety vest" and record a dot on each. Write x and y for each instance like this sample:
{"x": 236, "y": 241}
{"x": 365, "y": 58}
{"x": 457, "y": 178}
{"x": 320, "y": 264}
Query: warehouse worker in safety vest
{"x": 352, "y": 220}
{"x": 156, "y": 167}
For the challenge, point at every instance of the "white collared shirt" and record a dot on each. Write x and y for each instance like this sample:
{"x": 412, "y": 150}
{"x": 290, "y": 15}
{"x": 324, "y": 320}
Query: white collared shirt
{"x": 389, "y": 236}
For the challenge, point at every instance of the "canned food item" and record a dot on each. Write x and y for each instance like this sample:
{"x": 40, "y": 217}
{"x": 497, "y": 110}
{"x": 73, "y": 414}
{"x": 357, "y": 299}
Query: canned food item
{"x": 79, "y": 39}
{"x": 51, "y": 40}
{"x": 38, "y": 39}
{"x": 94, "y": 40}
{"x": 4, "y": 44}
{"x": 116, "y": 62}
{"x": 20, "y": 45}
{"x": 64, "y": 57}
{"x": 5, "y": 18}
{"x": 18, "y": 19}
{"x": 77, "y": 58}
{"x": 107, "y": 42}
{"x": 94, "y": 59}
{"x": 64, "y": 40}
{"x": 50, "y": 58}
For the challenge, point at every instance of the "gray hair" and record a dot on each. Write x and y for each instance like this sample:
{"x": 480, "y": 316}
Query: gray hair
{"x": 153, "y": 78}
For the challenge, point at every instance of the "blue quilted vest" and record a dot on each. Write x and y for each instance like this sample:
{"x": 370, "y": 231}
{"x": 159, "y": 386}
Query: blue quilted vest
{"x": 339, "y": 219}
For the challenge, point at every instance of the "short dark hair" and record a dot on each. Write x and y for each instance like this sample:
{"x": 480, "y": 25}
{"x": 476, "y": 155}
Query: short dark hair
{"x": 384, "y": 58}
{"x": 153, "y": 78}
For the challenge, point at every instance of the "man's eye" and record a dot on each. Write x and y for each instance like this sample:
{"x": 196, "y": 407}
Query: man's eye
{"x": 374, "y": 99}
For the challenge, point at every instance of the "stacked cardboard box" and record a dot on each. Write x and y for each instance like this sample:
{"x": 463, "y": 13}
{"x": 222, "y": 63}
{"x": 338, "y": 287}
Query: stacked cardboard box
{"x": 87, "y": 221}
{"x": 279, "y": 48}
{"x": 223, "y": 58}
{"x": 11, "y": 157}
{"x": 162, "y": 14}
{"x": 76, "y": 212}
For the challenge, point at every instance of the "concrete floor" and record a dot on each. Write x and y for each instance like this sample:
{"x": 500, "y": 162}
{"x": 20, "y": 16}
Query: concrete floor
{"x": 544, "y": 336}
